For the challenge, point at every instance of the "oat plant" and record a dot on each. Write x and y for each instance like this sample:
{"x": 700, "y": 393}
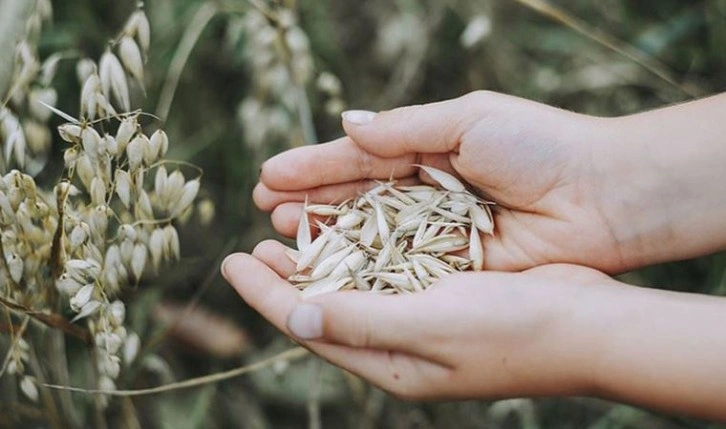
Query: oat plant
{"x": 69, "y": 250}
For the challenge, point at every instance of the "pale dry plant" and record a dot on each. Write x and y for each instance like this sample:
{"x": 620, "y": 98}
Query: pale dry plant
{"x": 392, "y": 238}
{"x": 24, "y": 134}
{"x": 278, "y": 53}
{"x": 109, "y": 222}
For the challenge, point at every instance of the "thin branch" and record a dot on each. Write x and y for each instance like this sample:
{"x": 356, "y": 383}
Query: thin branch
{"x": 290, "y": 354}
{"x": 51, "y": 319}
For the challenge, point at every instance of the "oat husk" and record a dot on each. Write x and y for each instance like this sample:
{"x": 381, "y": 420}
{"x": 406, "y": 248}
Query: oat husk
{"x": 392, "y": 239}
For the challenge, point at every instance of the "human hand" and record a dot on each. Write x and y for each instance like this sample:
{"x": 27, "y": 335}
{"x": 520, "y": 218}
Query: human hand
{"x": 535, "y": 161}
{"x": 484, "y": 335}
{"x": 612, "y": 194}
{"x": 549, "y": 331}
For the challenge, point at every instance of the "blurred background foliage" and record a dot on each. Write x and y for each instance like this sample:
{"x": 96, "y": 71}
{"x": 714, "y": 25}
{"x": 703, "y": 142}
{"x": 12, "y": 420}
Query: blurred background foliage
{"x": 257, "y": 77}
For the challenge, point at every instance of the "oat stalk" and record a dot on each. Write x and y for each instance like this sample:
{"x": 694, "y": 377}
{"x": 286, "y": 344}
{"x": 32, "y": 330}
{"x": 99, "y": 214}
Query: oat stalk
{"x": 287, "y": 355}
{"x": 201, "y": 18}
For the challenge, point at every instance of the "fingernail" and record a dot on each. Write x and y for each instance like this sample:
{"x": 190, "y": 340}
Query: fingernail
{"x": 306, "y": 321}
{"x": 225, "y": 263}
{"x": 358, "y": 117}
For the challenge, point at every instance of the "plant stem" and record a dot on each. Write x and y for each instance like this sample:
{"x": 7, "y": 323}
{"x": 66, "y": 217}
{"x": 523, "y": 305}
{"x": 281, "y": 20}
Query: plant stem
{"x": 204, "y": 14}
{"x": 313, "y": 407}
{"x": 53, "y": 320}
{"x": 291, "y": 354}
{"x": 51, "y": 408}
{"x": 59, "y": 368}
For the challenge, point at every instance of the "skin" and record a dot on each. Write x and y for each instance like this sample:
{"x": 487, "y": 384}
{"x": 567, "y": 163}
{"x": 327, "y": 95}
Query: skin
{"x": 611, "y": 194}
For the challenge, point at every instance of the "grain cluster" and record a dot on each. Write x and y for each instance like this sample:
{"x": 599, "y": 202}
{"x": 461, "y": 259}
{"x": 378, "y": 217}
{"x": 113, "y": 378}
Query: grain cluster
{"x": 110, "y": 221}
{"x": 392, "y": 238}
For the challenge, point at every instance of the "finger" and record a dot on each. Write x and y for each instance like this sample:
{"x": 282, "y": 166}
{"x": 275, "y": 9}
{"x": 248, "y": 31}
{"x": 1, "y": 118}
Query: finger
{"x": 261, "y": 288}
{"x": 428, "y": 128}
{"x": 339, "y": 161}
{"x": 363, "y": 320}
{"x": 267, "y": 199}
{"x": 274, "y": 254}
{"x": 503, "y": 250}
{"x": 274, "y": 298}
{"x": 285, "y": 218}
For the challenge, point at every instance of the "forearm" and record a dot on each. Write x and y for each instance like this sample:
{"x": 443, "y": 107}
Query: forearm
{"x": 658, "y": 349}
{"x": 666, "y": 177}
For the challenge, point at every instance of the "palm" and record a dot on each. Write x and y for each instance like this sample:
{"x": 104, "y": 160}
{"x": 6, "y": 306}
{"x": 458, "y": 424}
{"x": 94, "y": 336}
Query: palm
{"x": 546, "y": 213}
{"x": 452, "y": 352}
{"x": 537, "y": 221}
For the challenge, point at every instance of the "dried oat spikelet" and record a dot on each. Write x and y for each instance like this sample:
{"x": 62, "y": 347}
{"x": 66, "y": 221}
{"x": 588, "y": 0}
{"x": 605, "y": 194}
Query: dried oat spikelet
{"x": 393, "y": 239}
{"x": 138, "y": 27}
{"x": 131, "y": 58}
{"x": 23, "y": 133}
{"x": 118, "y": 228}
{"x": 113, "y": 80}
{"x": 277, "y": 51}
{"x": 104, "y": 226}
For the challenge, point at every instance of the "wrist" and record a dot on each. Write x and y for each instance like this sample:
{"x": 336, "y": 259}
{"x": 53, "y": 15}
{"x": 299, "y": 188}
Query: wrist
{"x": 563, "y": 360}
{"x": 662, "y": 181}
{"x": 582, "y": 323}
{"x": 657, "y": 349}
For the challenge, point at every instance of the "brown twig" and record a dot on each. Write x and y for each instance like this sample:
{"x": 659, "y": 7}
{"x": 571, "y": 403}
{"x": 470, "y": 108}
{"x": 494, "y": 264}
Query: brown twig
{"x": 56, "y": 250}
{"x": 51, "y": 319}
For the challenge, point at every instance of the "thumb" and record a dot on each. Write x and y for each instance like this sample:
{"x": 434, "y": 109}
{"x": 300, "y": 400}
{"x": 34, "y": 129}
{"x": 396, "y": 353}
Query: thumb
{"x": 427, "y": 128}
{"x": 359, "y": 320}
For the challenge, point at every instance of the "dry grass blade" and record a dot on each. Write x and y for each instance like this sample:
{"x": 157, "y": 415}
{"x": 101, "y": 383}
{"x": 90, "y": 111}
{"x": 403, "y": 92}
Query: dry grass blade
{"x": 287, "y": 355}
{"x": 205, "y": 14}
{"x": 628, "y": 51}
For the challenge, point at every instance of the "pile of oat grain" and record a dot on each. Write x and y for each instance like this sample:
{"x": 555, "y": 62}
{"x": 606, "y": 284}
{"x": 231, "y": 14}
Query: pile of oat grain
{"x": 392, "y": 239}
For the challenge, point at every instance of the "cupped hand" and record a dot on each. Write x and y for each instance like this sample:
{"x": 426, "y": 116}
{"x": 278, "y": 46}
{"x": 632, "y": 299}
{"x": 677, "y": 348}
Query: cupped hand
{"x": 471, "y": 335}
{"x": 534, "y": 161}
